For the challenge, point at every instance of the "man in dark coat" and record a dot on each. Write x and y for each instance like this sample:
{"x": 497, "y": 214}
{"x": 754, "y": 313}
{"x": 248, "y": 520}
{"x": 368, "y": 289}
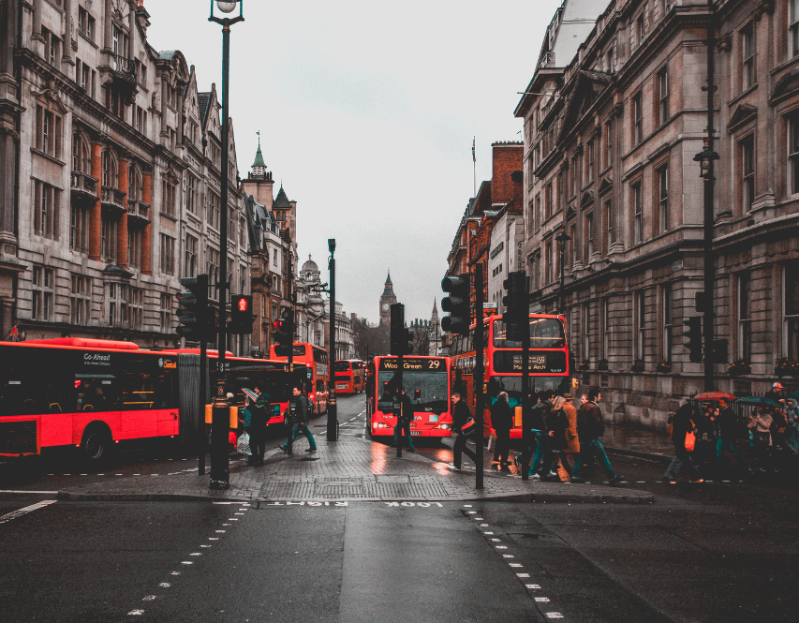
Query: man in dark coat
{"x": 590, "y": 429}
{"x": 404, "y": 420}
{"x": 543, "y": 452}
{"x": 728, "y": 433}
{"x": 682, "y": 424}
{"x": 502, "y": 422}
{"x": 460, "y": 415}
{"x": 303, "y": 409}
{"x": 528, "y": 436}
{"x": 259, "y": 415}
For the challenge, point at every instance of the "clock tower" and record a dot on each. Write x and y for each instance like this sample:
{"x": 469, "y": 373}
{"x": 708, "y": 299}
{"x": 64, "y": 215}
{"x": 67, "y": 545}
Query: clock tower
{"x": 386, "y": 301}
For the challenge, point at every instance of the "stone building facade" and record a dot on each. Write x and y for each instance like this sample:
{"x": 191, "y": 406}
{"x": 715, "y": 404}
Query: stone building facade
{"x": 611, "y": 130}
{"x": 110, "y": 191}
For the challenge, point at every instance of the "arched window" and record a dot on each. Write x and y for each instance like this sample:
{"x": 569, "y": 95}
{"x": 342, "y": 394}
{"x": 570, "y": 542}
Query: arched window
{"x": 81, "y": 153}
{"x": 110, "y": 169}
{"x": 134, "y": 184}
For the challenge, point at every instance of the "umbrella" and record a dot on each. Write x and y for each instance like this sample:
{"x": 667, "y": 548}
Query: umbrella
{"x": 794, "y": 396}
{"x": 714, "y": 396}
{"x": 250, "y": 394}
{"x": 758, "y": 401}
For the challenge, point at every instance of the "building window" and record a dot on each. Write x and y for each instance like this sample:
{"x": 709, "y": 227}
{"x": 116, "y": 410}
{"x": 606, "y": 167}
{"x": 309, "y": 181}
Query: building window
{"x": 43, "y": 288}
{"x": 605, "y": 303}
{"x": 190, "y": 259}
{"x": 47, "y": 210}
{"x": 548, "y": 261}
{"x": 141, "y": 120}
{"x": 193, "y": 195}
{"x": 537, "y": 213}
{"x": 212, "y": 269}
{"x": 744, "y": 318}
{"x": 167, "y": 255}
{"x": 640, "y": 325}
{"x": 748, "y": 75}
{"x": 608, "y": 144}
{"x": 169, "y": 198}
{"x": 589, "y": 235}
{"x": 574, "y": 173}
{"x": 110, "y": 170}
{"x": 667, "y": 323}
{"x": 571, "y": 245}
{"x": 638, "y": 213}
{"x": 747, "y": 172}
{"x": 793, "y": 150}
{"x": 81, "y": 300}
{"x": 214, "y": 204}
{"x": 561, "y": 190}
{"x": 638, "y": 120}
{"x": 135, "y": 243}
{"x": 242, "y": 232}
{"x": 85, "y": 24}
{"x": 590, "y": 161}
{"x": 52, "y": 47}
{"x": 791, "y": 311}
{"x": 48, "y": 132}
{"x": 166, "y": 313}
{"x": 663, "y": 96}
{"x": 611, "y": 220}
{"x": 794, "y": 27}
{"x": 79, "y": 229}
{"x": 81, "y": 154}
{"x": 663, "y": 198}
{"x": 639, "y": 29}
{"x": 110, "y": 232}
{"x": 586, "y": 328}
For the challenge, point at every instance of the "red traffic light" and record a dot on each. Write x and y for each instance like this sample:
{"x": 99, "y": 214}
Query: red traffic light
{"x": 244, "y": 304}
{"x": 277, "y": 325}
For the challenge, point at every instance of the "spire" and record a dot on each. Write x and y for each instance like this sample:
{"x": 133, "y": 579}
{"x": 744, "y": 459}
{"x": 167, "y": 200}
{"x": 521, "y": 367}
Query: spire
{"x": 388, "y": 279}
{"x": 388, "y": 290}
{"x": 259, "y": 157}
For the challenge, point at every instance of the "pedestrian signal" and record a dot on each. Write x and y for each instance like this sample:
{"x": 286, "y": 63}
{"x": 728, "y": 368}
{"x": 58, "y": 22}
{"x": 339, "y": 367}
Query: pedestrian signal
{"x": 194, "y": 315}
{"x": 283, "y": 336}
{"x": 457, "y": 304}
{"x": 241, "y": 316}
{"x": 692, "y": 338}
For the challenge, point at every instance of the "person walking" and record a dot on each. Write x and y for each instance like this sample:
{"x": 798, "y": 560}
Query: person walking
{"x": 259, "y": 415}
{"x": 775, "y": 393}
{"x": 300, "y": 421}
{"x": 404, "y": 420}
{"x": 792, "y": 415}
{"x": 728, "y": 433}
{"x": 572, "y": 451}
{"x": 682, "y": 423}
{"x": 502, "y": 422}
{"x": 557, "y": 425}
{"x": 529, "y": 443}
{"x": 590, "y": 429}
{"x": 760, "y": 424}
{"x": 460, "y": 415}
{"x": 543, "y": 453}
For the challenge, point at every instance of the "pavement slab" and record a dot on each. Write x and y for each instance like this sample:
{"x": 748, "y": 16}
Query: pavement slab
{"x": 350, "y": 468}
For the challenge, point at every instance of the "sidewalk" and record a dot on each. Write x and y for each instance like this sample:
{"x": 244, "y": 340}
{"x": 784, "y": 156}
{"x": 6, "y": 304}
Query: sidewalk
{"x": 619, "y": 439}
{"x": 349, "y": 469}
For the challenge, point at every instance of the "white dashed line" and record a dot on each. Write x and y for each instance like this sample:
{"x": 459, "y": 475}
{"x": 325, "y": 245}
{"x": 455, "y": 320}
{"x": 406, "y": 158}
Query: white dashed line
{"x": 149, "y": 598}
{"x": 542, "y": 600}
{"x": 522, "y": 575}
{"x": 187, "y": 562}
{"x": 467, "y": 506}
{"x": 220, "y": 531}
{"x": 501, "y": 546}
{"x": 516, "y": 565}
{"x": 213, "y": 538}
{"x": 164, "y": 585}
{"x": 508, "y": 556}
{"x": 554, "y": 615}
{"x": 488, "y": 533}
{"x": 29, "y": 492}
{"x": 205, "y": 546}
{"x": 533, "y": 587}
{"x": 135, "y": 613}
{"x": 195, "y": 554}
{"x": 496, "y": 540}
{"x": 175, "y": 573}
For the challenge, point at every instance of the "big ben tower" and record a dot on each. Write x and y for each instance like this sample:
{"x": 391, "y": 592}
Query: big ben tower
{"x": 386, "y": 301}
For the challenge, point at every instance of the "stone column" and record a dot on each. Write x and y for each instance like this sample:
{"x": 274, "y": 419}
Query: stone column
{"x": 6, "y": 316}
{"x": 108, "y": 23}
{"x": 67, "y": 38}
{"x": 147, "y": 197}
{"x": 96, "y": 216}
{"x": 122, "y": 235}
{"x": 37, "y": 20}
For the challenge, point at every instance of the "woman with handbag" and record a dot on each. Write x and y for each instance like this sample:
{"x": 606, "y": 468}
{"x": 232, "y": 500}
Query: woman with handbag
{"x": 684, "y": 439}
{"x": 760, "y": 423}
{"x": 462, "y": 426}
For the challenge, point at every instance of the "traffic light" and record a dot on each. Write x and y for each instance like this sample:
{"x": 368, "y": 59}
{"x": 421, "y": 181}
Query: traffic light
{"x": 241, "y": 317}
{"x": 283, "y": 334}
{"x": 515, "y": 302}
{"x": 692, "y": 338}
{"x": 194, "y": 315}
{"x": 398, "y": 335}
{"x": 457, "y": 304}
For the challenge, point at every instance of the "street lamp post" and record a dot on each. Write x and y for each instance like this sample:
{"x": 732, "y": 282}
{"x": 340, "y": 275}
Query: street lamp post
{"x": 220, "y": 469}
{"x": 332, "y": 408}
{"x": 562, "y": 238}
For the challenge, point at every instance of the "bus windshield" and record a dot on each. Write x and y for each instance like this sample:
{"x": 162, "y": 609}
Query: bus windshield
{"x": 427, "y": 390}
{"x": 544, "y": 333}
{"x": 513, "y": 385}
{"x": 342, "y": 366}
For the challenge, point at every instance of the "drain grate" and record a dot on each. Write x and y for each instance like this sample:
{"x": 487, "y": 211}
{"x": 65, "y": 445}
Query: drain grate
{"x": 339, "y": 490}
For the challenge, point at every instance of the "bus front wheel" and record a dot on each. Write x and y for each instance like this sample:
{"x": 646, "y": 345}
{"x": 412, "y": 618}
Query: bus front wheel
{"x": 96, "y": 444}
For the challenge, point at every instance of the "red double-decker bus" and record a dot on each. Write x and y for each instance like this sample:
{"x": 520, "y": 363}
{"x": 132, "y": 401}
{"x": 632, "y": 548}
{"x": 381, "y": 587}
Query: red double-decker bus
{"x": 349, "y": 376}
{"x": 94, "y": 394}
{"x": 426, "y": 381}
{"x": 549, "y": 362}
{"x": 317, "y": 371}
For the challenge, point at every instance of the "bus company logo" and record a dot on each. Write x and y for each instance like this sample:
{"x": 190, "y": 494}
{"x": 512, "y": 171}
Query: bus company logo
{"x": 96, "y": 359}
{"x": 170, "y": 365}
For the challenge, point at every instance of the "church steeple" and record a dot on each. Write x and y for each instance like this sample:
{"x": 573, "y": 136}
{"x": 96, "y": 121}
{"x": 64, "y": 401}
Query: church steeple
{"x": 259, "y": 166}
{"x": 387, "y": 299}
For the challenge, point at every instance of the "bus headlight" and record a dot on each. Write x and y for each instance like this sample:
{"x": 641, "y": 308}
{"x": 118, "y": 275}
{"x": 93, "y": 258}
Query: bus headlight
{"x": 381, "y": 425}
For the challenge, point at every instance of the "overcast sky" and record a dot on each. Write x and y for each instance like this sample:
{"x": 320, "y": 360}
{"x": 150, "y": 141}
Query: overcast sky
{"x": 367, "y": 112}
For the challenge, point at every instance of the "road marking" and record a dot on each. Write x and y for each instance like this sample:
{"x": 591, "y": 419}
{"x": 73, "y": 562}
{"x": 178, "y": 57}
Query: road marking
{"x": 24, "y": 511}
{"x": 542, "y": 600}
{"x": 554, "y": 615}
{"x": 206, "y": 546}
{"x": 135, "y": 613}
{"x": 508, "y": 556}
{"x": 149, "y": 598}
{"x": 501, "y": 546}
{"x": 497, "y": 540}
{"x": 534, "y": 587}
{"x": 187, "y": 562}
{"x": 478, "y": 519}
{"x": 516, "y": 564}
{"x": 213, "y": 538}
{"x": 522, "y": 575}
{"x": 164, "y": 585}
{"x": 34, "y": 492}
{"x": 175, "y": 573}
{"x": 484, "y": 525}
{"x": 486, "y": 532}
{"x": 195, "y": 554}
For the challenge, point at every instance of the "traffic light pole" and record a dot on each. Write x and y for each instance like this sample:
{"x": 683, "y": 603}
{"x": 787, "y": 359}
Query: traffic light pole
{"x": 202, "y": 435}
{"x": 479, "y": 348}
{"x": 709, "y": 257}
{"x": 332, "y": 408}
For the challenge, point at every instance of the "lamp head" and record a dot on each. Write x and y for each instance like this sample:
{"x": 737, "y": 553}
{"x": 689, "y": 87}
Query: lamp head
{"x": 226, "y": 6}
{"x": 331, "y": 244}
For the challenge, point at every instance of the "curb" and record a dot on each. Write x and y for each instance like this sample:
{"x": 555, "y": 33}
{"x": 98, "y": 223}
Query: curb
{"x": 660, "y": 458}
{"x": 633, "y": 496}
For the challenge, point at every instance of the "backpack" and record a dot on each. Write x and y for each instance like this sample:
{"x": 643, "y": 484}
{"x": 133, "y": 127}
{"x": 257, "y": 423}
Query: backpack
{"x": 778, "y": 422}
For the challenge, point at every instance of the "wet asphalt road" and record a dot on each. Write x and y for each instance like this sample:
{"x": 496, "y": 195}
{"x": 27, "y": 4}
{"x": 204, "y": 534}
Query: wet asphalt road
{"x": 718, "y": 552}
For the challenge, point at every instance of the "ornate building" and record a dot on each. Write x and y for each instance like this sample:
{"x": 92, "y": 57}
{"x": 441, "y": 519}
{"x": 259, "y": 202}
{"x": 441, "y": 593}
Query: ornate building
{"x": 110, "y": 185}
{"x": 612, "y": 125}
{"x": 311, "y": 316}
{"x": 387, "y": 299}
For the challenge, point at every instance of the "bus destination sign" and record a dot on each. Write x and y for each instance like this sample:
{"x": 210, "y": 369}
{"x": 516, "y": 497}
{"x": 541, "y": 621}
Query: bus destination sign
{"x": 411, "y": 364}
{"x": 541, "y": 361}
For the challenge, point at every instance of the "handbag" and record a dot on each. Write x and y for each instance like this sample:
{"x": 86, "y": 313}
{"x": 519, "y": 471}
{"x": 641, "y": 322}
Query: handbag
{"x": 243, "y": 444}
{"x": 468, "y": 427}
{"x": 690, "y": 441}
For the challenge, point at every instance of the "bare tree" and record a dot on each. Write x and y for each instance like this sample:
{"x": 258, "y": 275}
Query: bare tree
{"x": 369, "y": 340}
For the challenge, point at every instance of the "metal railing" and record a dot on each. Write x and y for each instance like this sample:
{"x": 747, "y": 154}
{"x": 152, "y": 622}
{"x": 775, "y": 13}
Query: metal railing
{"x": 124, "y": 66}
